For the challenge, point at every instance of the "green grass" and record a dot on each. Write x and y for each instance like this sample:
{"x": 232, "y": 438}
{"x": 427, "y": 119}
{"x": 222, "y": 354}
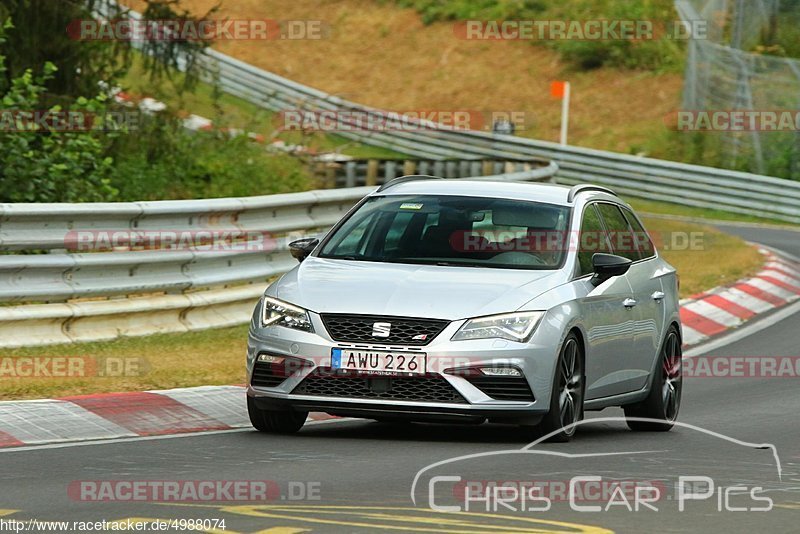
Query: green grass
{"x": 664, "y": 208}
{"x": 234, "y": 112}
{"x": 162, "y": 361}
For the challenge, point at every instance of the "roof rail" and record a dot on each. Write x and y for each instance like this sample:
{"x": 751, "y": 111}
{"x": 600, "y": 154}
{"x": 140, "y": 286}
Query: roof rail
{"x": 580, "y": 188}
{"x": 408, "y": 178}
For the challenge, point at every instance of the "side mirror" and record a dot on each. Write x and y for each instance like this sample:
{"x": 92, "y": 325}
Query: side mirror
{"x": 301, "y": 248}
{"x": 607, "y": 266}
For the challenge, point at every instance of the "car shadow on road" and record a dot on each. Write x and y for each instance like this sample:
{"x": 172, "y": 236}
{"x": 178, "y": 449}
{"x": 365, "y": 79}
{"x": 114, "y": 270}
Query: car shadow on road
{"x": 512, "y": 435}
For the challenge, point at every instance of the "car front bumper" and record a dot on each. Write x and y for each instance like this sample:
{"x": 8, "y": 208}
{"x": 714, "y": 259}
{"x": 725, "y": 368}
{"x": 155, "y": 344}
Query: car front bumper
{"x": 536, "y": 359}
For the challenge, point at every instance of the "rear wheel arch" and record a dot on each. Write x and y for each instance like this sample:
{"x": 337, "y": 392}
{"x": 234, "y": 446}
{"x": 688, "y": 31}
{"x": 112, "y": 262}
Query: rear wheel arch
{"x": 656, "y": 359}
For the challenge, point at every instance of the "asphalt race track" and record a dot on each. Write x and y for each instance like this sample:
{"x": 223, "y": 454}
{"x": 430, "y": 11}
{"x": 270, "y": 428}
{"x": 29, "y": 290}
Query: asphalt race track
{"x": 357, "y": 476}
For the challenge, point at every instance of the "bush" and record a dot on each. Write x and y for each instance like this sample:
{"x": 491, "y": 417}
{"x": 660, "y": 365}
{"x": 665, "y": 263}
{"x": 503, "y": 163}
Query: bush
{"x": 158, "y": 159}
{"x": 39, "y": 163}
{"x": 164, "y": 161}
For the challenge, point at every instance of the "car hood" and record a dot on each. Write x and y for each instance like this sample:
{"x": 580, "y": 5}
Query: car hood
{"x": 371, "y": 288}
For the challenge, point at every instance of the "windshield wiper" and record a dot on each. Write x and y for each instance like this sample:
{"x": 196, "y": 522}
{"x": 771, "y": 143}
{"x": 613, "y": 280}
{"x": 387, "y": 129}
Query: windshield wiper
{"x": 458, "y": 264}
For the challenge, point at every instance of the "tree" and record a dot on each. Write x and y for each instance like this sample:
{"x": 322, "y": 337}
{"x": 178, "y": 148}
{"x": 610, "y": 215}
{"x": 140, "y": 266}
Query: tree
{"x": 41, "y": 33}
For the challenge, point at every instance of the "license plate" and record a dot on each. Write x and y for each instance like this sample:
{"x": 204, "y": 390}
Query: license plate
{"x": 378, "y": 361}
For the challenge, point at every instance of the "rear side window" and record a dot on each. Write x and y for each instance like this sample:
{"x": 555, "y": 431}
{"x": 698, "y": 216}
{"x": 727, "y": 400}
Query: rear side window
{"x": 619, "y": 232}
{"x": 592, "y": 239}
{"x": 643, "y": 242}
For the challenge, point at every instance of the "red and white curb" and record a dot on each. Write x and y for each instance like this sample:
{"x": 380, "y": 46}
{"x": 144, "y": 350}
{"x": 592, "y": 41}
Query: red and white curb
{"x": 215, "y": 408}
{"x": 125, "y": 415}
{"x": 722, "y": 308}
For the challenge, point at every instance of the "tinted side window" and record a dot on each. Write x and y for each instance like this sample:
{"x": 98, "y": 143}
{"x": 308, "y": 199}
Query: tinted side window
{"x": 619, "y": 232}
{"x": 643, "y": 242}
{"x": 592, "y": 239}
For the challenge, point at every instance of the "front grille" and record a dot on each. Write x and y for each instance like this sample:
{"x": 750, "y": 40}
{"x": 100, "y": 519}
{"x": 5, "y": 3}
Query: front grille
{"x": 264, "y": 375}
{"x": 343, "y": 327}
{"x": 503, "y": 387}
{"x": 322, "y": 382}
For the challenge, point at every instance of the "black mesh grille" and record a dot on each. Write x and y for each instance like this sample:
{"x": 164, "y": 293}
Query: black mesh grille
{"x": 264, "y": 376}
{"x": 343, "y": 327}
{"x": 503, "y": 387}
{"x": 429, "y": 388}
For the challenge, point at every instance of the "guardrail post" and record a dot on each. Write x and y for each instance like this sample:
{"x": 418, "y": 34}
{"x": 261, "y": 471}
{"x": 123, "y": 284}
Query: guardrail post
{"x": 390, "y": 171}
{"x": 350, "y": 174}
{"x": 330, "y": 175}
{"x": 372, "y": 171}
{"x": 474, "y": 168}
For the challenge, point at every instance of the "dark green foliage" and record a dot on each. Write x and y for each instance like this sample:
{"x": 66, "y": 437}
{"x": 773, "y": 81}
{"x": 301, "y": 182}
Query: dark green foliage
{"x": 43, "y": 68}
{"x": 40, "y": 35}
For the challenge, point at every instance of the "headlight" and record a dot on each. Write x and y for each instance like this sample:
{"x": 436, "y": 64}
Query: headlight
{"x": 510, "y": 326}
{"x": 277, "y": 312}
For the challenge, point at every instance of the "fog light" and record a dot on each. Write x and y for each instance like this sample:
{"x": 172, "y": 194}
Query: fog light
{"x": 282, "y": 365}
{"x": 500, "y": 371}
{"x": 475, "y": 371}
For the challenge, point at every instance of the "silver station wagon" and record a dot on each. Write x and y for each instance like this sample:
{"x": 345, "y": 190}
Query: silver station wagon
{"x": 472, "y": 301}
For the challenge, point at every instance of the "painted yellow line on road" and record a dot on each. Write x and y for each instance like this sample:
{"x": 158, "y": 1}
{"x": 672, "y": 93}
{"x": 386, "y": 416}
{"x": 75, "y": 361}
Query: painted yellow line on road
{"x": 404, "y": 519}
{"x": 4, "y": 513}
{"x": 123, "y": 522}
{"x": 283, "y": 530}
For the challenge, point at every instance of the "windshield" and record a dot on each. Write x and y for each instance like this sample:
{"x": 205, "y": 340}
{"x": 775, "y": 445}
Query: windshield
{"x": 452, "y": 230}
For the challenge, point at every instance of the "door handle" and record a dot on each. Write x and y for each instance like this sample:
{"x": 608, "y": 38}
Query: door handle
{"x": 629, "y": 303}
{"x": 658, "y": 296}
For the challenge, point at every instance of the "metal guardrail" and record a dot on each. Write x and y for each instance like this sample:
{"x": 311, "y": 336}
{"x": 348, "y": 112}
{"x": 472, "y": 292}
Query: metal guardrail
{"x": 378, "y": 171}
{"x": 164, "y": 290}
{"x": 693, "y": 185}
{"x": 187, "y": 274}
{"x": 261, "y": 222}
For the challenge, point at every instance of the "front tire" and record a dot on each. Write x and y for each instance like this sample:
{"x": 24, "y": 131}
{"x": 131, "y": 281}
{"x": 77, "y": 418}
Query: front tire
{"x": 274, "y": 421}
{"x": 566, "y": 399}
{"x": 664, "y": 400}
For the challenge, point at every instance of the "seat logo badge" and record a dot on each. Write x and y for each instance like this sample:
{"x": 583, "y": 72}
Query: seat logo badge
{"x": 381, "y": 329}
